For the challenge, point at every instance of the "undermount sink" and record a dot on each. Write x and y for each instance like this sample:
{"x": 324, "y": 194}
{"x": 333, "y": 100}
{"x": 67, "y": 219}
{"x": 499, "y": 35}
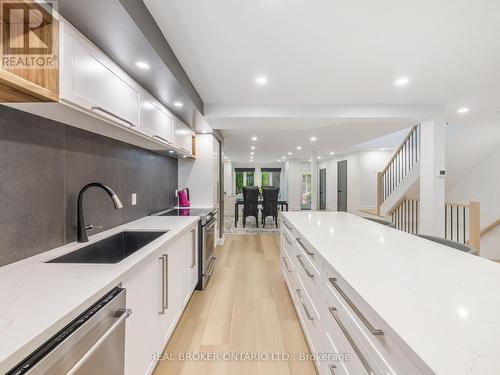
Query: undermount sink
{"x": 110, "y": 250}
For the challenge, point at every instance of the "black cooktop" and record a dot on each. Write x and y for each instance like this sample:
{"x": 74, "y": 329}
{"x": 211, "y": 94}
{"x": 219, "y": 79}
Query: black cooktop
{"x": 184, "y": 212}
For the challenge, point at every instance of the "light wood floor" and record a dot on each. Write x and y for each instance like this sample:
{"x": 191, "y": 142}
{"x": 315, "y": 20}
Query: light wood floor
{"x": 246, "y": 308}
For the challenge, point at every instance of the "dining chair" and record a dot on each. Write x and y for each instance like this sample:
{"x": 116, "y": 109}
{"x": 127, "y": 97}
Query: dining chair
{"x": 270, "y": 204}
{"x": 250, "y": 204}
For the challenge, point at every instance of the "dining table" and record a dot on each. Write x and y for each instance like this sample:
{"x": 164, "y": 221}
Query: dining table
{"x": 240, "y": 202}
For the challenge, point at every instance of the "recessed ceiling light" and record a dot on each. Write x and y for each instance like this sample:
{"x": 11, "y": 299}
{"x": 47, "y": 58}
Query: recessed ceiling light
{"x": 252, "y": 148}
{"x": 463, "y": 110}
{"x": 252, "y": 153}
{"x": 178, "y": 104}
{"x": 309, "y": 160}
{"x": 225, "y": 157}
{"x": 319, "y": 157}
{"x": 290, "y": 153}
{"x": 254, "y": 138}
{"x": 261, "y": 80}
{"x": 313, "y": 139}
{"x": 299, "y": 147}
{"x": 204, "y": 132}
{"x": 382, "y": 149}
{"x": 279, "y": 160}
{"x": 283, "y": 157}
{"x": 332, "y": 153}
{"x": 403, "y": 81}
{"x": 171, "y": 151}
{"x": 184, "y": 156}
{"x": 142, "y": 65}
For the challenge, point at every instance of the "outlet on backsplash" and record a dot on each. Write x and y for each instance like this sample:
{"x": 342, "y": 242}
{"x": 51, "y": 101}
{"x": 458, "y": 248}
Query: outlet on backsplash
{"x": 134, "y": 199}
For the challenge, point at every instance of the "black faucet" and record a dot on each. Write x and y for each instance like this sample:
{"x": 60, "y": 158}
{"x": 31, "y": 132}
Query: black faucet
{"x": 80, "y": 225}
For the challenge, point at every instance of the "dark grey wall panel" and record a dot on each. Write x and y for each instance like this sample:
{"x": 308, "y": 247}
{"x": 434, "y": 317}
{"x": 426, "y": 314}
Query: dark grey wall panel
{"x": 44, "y": 164}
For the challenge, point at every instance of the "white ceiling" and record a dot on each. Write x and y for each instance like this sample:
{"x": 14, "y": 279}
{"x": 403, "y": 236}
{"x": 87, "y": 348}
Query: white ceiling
{"x": 331, "y": 53}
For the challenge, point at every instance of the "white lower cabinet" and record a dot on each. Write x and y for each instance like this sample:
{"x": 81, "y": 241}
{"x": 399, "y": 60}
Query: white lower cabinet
{"x": 157, "y": 293}
{"x": 346, "y": 335}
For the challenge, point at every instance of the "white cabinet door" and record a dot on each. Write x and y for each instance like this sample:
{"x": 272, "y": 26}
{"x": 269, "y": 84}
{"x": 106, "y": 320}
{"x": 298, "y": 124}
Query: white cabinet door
{"x": 92, "y": 81}
{"x": 193, "y": 262}
{"x": 177, "y": 283}
{"x": 142, "y": 334}
{"x": 154, "y": 121}
{"x": 183, "y": 137}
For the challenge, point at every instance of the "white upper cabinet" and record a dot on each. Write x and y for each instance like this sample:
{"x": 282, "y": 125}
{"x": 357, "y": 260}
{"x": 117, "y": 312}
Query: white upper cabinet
{"x": 155, "y": 121}
{"x": 183, "y": 137}
{"x": 89, "y": 79}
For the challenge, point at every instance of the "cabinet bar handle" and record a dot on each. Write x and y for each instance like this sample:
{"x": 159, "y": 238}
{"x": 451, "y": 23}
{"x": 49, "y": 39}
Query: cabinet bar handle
{"x": 304, "y": 247}
{"x": 162, "y": 309}
{"x": 286, "y": 265}
{"x": 344, "y": 330}
{"x": 287, "y": 226}
{"x": 162, "y": 139}
{"x": 373, "y": 331}
{"x": 100, "y": 109}
{"x": 287, "y": 239}
{"x": 309, "y": 273}
{"x": 332, "y": 369}
{"x": 299, "y": 294}
{"x": 165, "y": 257}
{"x": 193, "y": 254}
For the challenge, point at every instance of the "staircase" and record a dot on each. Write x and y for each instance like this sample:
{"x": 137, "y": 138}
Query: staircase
{"x": 400, "y": 179}
{"x": 401, "y": 173}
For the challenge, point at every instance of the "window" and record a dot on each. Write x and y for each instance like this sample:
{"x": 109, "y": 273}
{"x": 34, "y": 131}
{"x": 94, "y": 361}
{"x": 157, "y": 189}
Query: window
{"x": 270, "y": 179}
{"x": 244, "y": 177}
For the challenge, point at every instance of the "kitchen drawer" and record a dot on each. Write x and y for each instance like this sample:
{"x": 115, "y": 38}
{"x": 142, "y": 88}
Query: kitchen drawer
{"x": 287, "y": 227}
{"x": 287, "y": 242}
{"x": 287, "y": 260}
{"x": 288, "y": 275}
{"x": 340, "y": 356}
{"x": 309, "y": 314}
{"x": 308, "y": 250}
{"x": 382, "y": 350}
{"x": 307, "y": 269}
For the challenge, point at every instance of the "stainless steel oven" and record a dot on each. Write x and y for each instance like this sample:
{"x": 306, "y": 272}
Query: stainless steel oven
{"x": 207, "y": 247}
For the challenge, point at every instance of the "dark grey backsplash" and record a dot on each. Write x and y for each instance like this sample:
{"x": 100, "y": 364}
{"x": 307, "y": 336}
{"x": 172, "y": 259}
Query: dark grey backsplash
{"x": 44, "y": 164}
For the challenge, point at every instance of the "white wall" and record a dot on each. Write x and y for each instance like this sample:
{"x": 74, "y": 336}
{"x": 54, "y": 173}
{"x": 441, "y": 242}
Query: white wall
{"x": 293, "y": 175}
{"x": 228, "y": 178}
{"x": 371, "y": 162}
{"x": 482, "y": 184}
{"x": 362, "y": 168}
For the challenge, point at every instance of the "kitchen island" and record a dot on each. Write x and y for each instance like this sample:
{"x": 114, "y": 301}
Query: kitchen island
{"x": 397, "y": 303}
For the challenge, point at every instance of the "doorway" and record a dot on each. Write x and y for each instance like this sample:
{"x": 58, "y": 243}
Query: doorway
{"x": 342, "y": 185}
{"x": 322, "y": 189}
{"x": 305, "y": 192}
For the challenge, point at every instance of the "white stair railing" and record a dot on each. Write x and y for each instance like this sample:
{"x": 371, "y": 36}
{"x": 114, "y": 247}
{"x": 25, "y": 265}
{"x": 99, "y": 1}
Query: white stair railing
{"x": 400, "y": 164}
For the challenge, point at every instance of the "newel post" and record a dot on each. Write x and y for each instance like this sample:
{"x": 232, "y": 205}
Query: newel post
{"x": 380, "y": 191}
{"x": 475, "y": 226}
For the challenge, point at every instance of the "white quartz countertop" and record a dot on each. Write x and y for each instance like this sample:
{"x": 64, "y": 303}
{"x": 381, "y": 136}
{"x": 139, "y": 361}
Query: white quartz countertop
{"x": 443, "y": 303}
{"x": 38, "y": 299}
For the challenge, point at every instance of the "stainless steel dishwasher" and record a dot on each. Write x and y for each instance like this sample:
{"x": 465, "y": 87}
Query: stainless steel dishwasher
{"x": 93, "y": 343}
